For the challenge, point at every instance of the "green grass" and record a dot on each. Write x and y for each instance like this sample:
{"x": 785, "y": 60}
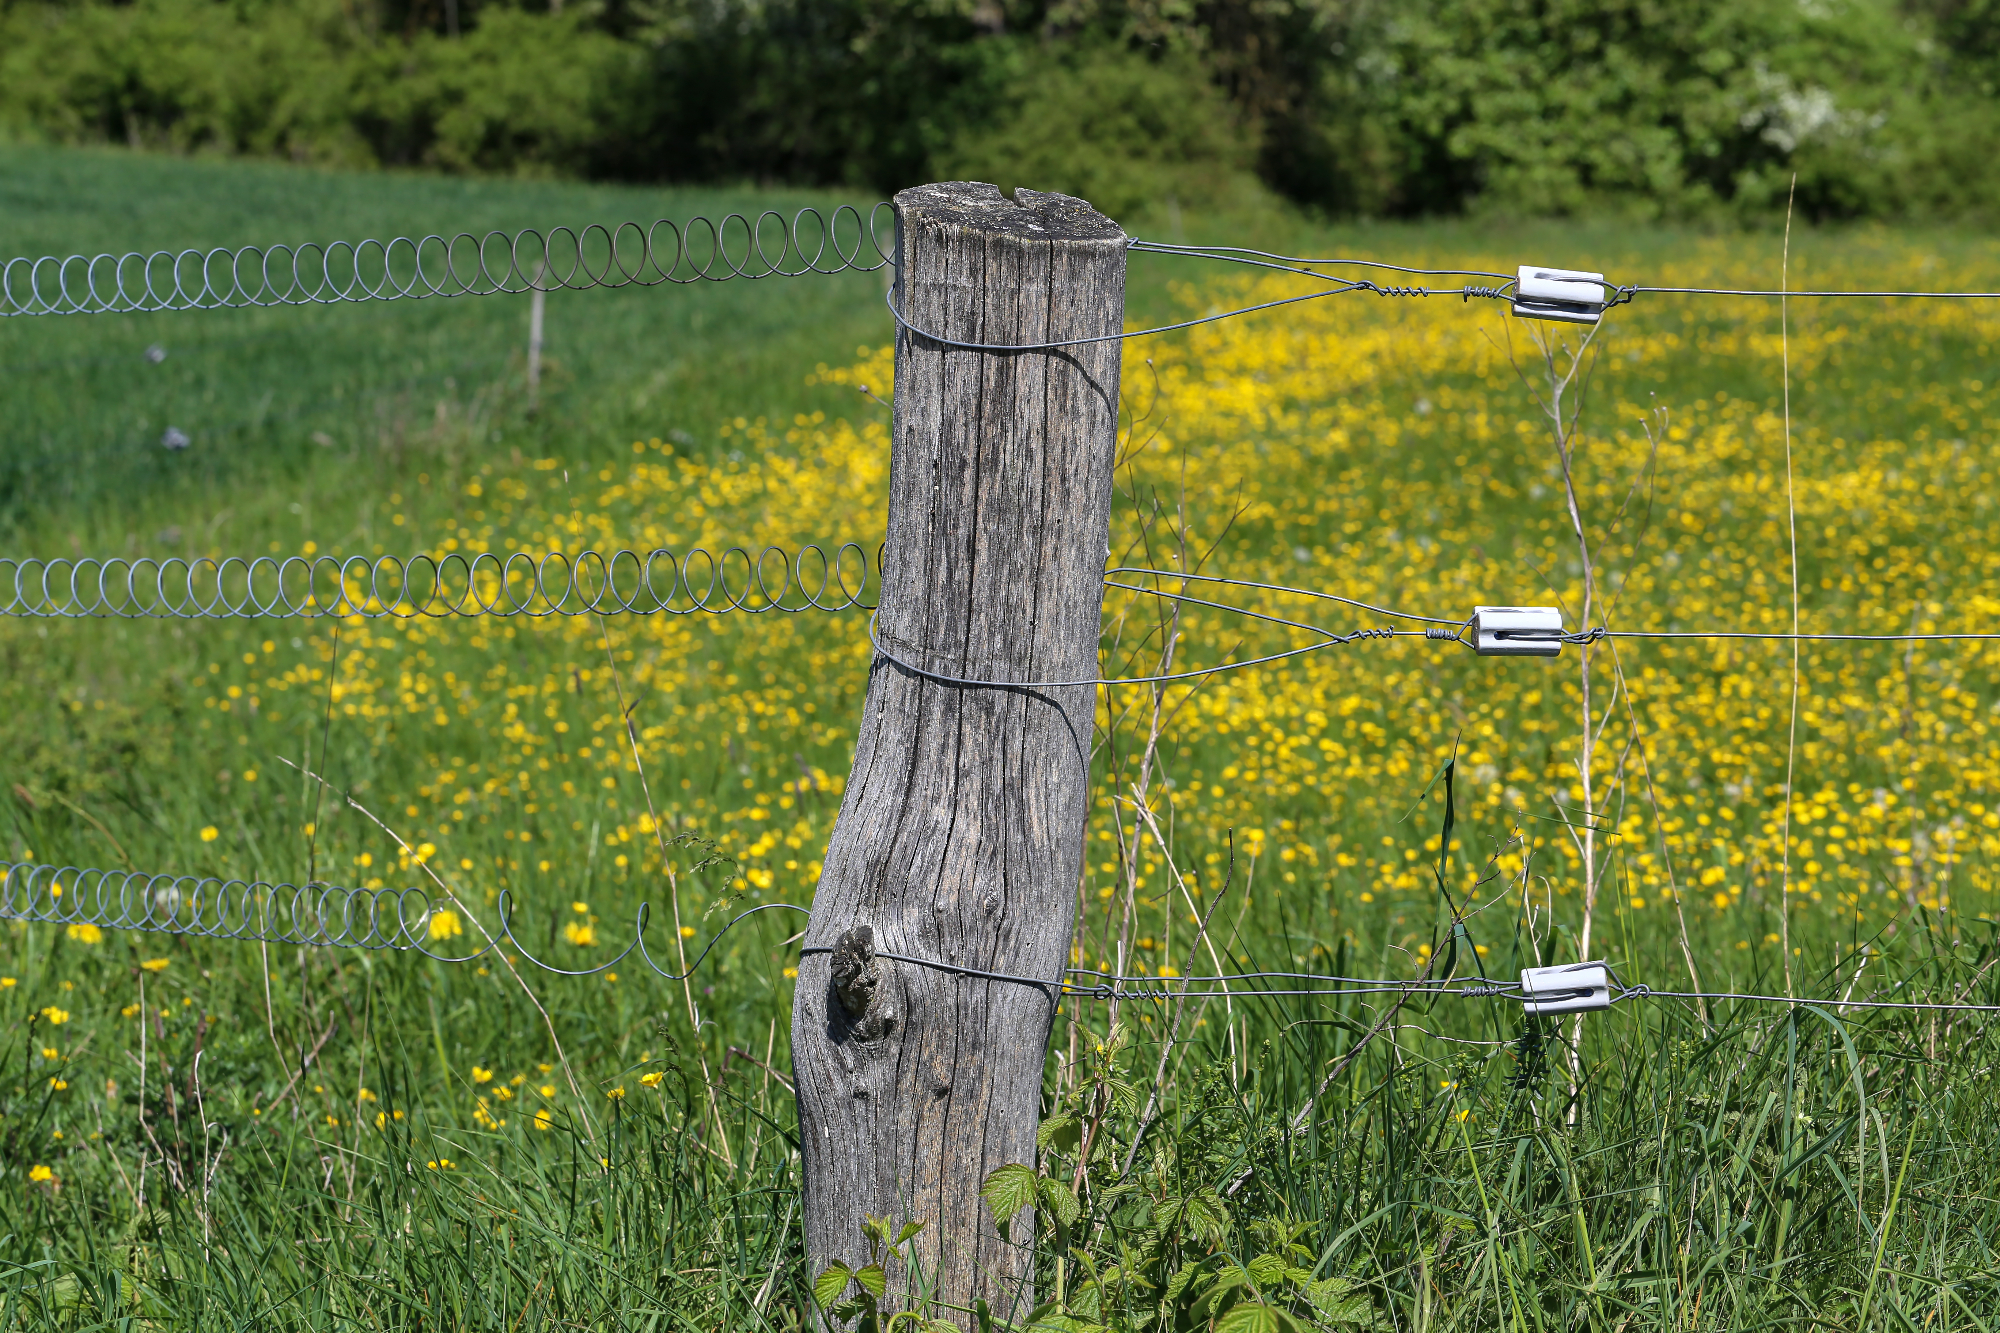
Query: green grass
{"x": 1751, "y": 1170}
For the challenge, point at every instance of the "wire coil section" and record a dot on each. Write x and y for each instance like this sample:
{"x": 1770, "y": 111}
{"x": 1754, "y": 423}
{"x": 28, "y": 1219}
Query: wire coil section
{"x": 315, "y": 915}
{"x": 415, "y": 268}
{"x": 619, "y": 582}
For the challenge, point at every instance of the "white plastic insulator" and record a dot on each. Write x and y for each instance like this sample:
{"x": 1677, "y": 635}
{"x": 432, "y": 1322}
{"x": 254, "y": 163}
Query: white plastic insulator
{"x": 1561, "y": 294}
{"x": 1577, "y": 988}
{"x": 1517, "y": 631}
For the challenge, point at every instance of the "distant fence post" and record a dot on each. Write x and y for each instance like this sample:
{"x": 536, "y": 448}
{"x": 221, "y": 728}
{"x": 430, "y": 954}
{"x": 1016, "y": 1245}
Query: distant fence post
{"x": 960, "y": 836}
{"x": 536, "y": 303}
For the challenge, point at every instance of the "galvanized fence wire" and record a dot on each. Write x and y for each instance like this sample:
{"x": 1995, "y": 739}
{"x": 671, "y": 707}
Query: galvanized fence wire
{"x": 415, "y": 268}
{"x": 618, "y": 582}
{"x": 637, "y": 254}
{"x": 411, "y": 920}
{"x": 1622, "y": 293}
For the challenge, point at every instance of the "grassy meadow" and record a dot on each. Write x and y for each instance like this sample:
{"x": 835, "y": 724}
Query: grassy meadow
{"x": 212, "y": 1134}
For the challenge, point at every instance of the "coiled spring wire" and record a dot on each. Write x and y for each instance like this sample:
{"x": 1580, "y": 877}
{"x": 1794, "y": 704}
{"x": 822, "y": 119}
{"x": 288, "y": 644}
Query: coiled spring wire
{"x": 415, "y": 268}
{"x": 620, "y": 582}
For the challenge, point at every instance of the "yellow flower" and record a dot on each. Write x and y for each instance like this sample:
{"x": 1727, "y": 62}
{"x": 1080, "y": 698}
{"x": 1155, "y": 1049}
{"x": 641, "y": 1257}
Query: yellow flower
{"x": 547, "y": 1089}
{"x": 444, "y": 924}
{"x": 616, "y": 1094}
{"x": 55, "y": 1015}
{"x": 83, "y": 932}
{"x": 580, "y": 908}
{"x": 481, "y": 1075}
{"x": 364, "y": 1096}
{"x": 155, "y": 964}
{"x": 128, "y": 1011}
{"x": 51, "y": 1053}
{"x": 210, "y": 834}
{"x": 381, "y": 1120}
{"x": 39, "y": 1174}
{"x": 442, "y": 1164}
{"x": 654, "y": 1079}
{"x": 543, "y": 1120}
{"x": 687, "y": 932}
{"x": 5, "y": 982}
{"x": 59, "y": 1085}
{"x": 580, "y": 933}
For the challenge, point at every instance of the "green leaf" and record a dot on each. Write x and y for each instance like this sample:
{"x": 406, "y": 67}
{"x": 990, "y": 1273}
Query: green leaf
{"x": 1008, "y": 1190}
{"x": 1340, "y": 1300}
{"x": 874, "y": 1279}
{"x": 828, "y": 1286}
{"x": 1256, "y": 1317}
{"x": 1060, "y": 1201}
{"x": 875, "y": 1229}
{"x": 1061, "y": 1131}
{"x": 982, "y": 1315}
{"x": 1222, "y": 1294}
{"x": 1267, "y": 1270}
{"x": 1207, "y": 1216}
{"x": 909, "y": 1229}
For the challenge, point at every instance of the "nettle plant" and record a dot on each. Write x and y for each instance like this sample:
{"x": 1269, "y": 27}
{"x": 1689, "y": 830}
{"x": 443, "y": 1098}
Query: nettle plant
{"x": 1149, "y": 1223}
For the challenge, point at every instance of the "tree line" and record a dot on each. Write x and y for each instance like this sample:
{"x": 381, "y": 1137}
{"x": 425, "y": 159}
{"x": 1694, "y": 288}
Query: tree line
{"x": 1648, "y": 108}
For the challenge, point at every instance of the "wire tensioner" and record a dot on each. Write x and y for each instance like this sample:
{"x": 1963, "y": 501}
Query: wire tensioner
{"x": 1517, "y": 631}
{"x": 1574, "y": 988}
{"x": 1564, "y": 295}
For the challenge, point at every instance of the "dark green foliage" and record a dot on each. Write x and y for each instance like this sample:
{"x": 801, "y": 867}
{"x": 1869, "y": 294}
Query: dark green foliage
{"x": 1118, "y": 129}
{"x": 1642, "y": 107}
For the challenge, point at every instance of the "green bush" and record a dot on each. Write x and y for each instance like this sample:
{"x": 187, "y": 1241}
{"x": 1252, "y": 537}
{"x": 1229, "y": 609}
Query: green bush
{"x": 1681, "y": 108}
{"x": 1116, "y": 128}
{"x": 520, "y": 93}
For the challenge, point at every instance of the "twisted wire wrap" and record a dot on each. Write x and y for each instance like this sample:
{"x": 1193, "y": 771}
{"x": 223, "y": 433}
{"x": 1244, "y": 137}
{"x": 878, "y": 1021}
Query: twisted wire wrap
{"x": 406, "y": 268}
{"x": 621, "y": 582}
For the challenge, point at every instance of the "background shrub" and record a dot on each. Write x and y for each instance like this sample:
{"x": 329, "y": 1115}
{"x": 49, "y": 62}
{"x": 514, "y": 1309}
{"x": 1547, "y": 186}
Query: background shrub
{"x": 1690, "y": 109}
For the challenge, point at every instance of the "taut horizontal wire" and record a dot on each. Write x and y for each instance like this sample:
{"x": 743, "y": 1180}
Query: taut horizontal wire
{"x": 1593, "y": 635}
{"x": 412, "y": 268}
{"x": 633, "y": 582}
{"x": 1329, "y": 641}
{"x": 1279, "y": 587}
{"x": 621, "y": 582}
{"x": 319, "y": 915}
{"x": 1342, "y": 287}
{"x": 1734, "y": 291}
{"x": 1242, "y": 254}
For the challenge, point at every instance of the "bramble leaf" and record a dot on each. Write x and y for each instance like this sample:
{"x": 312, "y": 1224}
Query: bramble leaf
{"x": 1008, "y": 1190}
{"x": 828, "y": 1286}
{"x": 1061, "y": 1131}
{"x": 1061, "y": 1202}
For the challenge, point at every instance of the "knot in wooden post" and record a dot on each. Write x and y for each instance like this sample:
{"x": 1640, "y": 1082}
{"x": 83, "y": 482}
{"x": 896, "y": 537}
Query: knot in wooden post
{"x": 960, "y": 837}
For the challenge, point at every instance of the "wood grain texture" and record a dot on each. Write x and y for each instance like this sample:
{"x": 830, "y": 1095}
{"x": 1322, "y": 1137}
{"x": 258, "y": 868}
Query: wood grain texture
{"x": 960, "y": 836}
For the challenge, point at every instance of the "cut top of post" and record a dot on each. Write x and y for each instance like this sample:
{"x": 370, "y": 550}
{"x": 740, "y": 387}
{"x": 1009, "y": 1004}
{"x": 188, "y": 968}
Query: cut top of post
{"x": 1029, "y": 215}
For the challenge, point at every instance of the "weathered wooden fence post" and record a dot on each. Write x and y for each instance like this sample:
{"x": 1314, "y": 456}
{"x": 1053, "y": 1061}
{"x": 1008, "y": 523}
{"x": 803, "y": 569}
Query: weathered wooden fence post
{"x": 961, "y": 833}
